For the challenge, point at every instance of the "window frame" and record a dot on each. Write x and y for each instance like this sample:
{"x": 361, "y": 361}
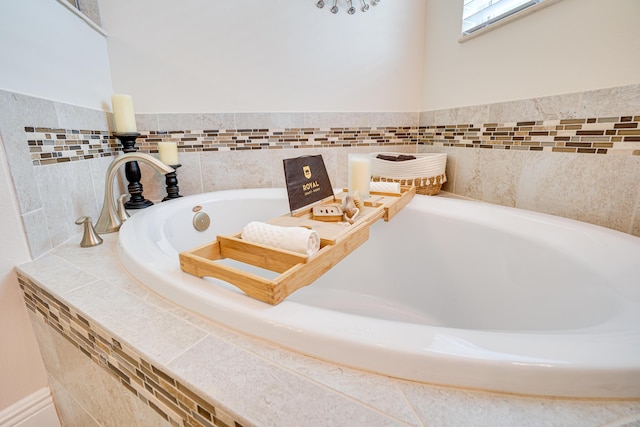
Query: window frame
{"x": 504, "y": 19}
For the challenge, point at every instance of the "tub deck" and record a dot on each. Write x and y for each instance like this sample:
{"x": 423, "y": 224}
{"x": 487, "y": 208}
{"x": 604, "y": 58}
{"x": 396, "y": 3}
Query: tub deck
{"x": 337, "y": 240}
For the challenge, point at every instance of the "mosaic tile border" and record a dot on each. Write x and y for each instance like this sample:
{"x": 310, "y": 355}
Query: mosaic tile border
{"x": 259, "y": 139}
{"x": 49, "y": 146}
{"x": 602, "y": 135}
{"x": 171, "y": 399}
{"x": 52, "y": 145}
{"x": 586, "y": 136}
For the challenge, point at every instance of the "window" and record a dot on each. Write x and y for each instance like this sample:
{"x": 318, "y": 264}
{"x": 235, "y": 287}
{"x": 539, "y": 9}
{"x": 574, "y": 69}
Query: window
{"x": 87, "y": 10}
{"x": 479, "y": 14}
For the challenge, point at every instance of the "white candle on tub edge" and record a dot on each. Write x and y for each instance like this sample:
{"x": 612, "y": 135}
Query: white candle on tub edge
{"x": 359, "y": 169}
{"x": 123, "y": 114}
{"x": 168, "y": 153}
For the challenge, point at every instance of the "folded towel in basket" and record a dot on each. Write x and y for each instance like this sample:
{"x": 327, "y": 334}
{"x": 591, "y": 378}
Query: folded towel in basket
{"x": 295, "y": 239}
{"x": 392, "y": 158}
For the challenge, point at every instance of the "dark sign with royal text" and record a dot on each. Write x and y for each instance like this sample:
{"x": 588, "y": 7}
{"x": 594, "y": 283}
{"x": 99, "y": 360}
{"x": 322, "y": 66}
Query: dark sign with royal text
{"x": 307, "y": 181}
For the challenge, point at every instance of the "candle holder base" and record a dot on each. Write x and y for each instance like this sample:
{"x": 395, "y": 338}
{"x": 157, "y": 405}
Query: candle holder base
{"x": 171, "y": 180}
{"x": 132, "y": 172}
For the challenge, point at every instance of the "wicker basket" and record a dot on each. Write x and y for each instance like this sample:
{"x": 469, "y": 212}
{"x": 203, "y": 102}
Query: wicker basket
{"x": 426, "y": 172}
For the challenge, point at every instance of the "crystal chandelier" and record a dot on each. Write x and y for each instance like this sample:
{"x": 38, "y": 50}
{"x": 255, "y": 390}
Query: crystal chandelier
{"x": 351, "y": 10}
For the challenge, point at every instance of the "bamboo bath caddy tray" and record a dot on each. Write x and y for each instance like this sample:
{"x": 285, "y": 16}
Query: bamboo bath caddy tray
{"x": 337, "y": 240}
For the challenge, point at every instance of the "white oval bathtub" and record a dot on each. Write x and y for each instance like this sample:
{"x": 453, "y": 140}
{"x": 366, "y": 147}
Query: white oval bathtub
{"x": 450, "y": 292}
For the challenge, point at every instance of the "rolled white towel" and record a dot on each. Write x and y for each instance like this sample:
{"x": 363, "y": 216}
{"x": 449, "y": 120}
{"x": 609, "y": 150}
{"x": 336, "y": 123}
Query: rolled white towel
{"x": 385, "y": 187}
{"x": 295, "y": 239}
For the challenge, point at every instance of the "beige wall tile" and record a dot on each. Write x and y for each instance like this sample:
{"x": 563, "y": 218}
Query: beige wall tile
{"x": 464, "y": 115}
{"x": 394, "y": 119}
{"x": 71, "y": 414}
{"x": 137, "y": 320}
{"x": 74, "y": 117}
{"x": 427, "y": 118}
{"x": 35, "y": 225}
{"x": 146, "y": 122}
{"x": 488, "y": 175}
{"x": 601, "y": 190}
{"x": 441, "y": 406}
{"x": 96, "y": 395}
{"x": 48, "y": 352}
{"x": 225, "y": 170}
{"x": 269, "y": 120}
{"x": 67, "y": 193}
{"x": 272, "y": 397}
{"x": 61, "y": 275}
{"x": 196, "y": 121}
{"x": 16, "y": 112}
{"x": 336, "y": 120}
{"x": 617, "y": 101}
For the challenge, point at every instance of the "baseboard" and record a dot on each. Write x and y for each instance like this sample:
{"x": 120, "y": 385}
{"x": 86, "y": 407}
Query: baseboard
{"x": 35, "y": 410}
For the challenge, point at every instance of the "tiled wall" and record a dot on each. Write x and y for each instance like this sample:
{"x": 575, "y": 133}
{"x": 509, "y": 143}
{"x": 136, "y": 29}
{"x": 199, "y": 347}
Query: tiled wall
{"x": 50, "y": 197}
{"x": 602, "y": 135}
{"x": 573, "y": 155}
{"x": 536, "y": 154}
{"x": 153, "y": 391}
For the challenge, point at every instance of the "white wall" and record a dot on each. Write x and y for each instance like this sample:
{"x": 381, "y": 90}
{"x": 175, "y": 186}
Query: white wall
{"x": 569, "y": 46}
{"x": 20, "y": 363}
{"x": 262, "y": 56}
{"x": 49, "y": 52}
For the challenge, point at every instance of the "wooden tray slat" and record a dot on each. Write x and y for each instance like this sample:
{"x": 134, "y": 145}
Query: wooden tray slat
{"x": 278, "y": 260}
{"x": 304, "y": 274}
{"x": 295, "y": 270}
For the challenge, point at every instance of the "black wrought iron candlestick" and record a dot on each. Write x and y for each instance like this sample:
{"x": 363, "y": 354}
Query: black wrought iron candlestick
{"x": 132, "y": 172}
{"x": 171, "y": 180}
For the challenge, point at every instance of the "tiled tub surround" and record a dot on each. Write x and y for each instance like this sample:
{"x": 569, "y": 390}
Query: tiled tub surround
{"x": 118, "y": 354}
{"x": 601, "y": 188}
{"x": 584, "y": 169}
{"x": 547, "y": 154}
{"x": 598, "y": 189}
{"x": 219, "y": 159}
{"x": 620, "y": 135}
{"x": 604, "y": 191}
{"x": 170, "y": 399}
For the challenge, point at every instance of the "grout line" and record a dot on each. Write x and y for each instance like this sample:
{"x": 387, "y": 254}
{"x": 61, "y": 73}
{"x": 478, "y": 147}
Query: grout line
{"x": 406, "y": 400}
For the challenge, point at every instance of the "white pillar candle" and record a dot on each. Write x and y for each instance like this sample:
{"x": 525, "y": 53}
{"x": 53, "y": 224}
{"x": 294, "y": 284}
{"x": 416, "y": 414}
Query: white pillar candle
{"x": 168, "y": 153}
{"x": 123, "y": 115}
{"x": 359, "y": 173}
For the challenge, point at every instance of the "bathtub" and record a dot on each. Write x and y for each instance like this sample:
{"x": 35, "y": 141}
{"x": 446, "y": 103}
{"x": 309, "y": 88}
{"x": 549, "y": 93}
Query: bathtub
{"x": 450, "y": 292}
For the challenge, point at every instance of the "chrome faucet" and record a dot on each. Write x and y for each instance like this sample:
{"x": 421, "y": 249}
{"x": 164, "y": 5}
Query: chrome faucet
{"x": 109, "y": 220}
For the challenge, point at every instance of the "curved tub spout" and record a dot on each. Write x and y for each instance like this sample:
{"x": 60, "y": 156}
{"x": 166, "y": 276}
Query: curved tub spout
{"x": 109, "y": 220}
